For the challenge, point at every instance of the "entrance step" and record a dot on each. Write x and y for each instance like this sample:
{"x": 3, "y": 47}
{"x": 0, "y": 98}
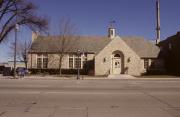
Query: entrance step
{"x": 121, "y": 76}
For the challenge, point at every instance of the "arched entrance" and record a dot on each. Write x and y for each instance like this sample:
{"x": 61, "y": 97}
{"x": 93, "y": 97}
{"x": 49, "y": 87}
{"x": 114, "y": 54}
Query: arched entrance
{"x": 117, "y": 63}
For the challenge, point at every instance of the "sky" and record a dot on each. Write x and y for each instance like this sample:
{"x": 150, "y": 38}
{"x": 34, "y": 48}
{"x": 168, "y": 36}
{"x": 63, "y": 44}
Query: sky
{"x": 92, "y": 17}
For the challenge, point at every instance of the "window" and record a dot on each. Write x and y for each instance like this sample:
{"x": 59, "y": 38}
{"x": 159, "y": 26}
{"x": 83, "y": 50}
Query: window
{"x": 170, "y": 46}
{"x": 71, "y": 61}
{"x": 153, "y": 63}
{"x": 117, "y": 55}
{"x": 77, "y": 62}
{"x": 42, "y": 61}
{"x": 45, "y": 62}
{"x": 111, "y": 32}
{"x": 39, "y": 63}
{"x": 117, "y": 64}
{"x": 146, "y": 63}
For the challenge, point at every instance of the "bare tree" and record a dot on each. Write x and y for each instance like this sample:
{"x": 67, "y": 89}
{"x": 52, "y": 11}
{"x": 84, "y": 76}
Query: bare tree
{"x": 19, "y": 12}
{"x": 68, "y": 37}
{"x": 22, "y": 51}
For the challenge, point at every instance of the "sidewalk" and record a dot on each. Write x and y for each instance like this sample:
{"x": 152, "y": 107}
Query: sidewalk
{"x": 72, "y": 77}
{"x": 85, "y": 77}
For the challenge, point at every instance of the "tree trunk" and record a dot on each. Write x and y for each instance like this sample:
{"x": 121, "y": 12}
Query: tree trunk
{"x": 25, "y": 64}
{"x": 60, "y": 65}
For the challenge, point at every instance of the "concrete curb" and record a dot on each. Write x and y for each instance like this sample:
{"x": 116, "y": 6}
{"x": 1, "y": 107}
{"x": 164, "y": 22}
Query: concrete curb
{"x": 125, "y": 77}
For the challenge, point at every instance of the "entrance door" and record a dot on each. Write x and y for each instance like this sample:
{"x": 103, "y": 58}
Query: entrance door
{"x": 117, "y": 65}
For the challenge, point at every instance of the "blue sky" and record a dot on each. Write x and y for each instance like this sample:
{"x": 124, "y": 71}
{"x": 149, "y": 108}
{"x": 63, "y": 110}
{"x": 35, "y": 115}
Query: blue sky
{"x": 92, "y": 17}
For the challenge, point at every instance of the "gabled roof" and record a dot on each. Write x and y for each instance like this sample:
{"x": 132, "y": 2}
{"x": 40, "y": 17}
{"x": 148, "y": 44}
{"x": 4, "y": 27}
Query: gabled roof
{"x": 143, "y": 48}
{"x": 91, "y": 44}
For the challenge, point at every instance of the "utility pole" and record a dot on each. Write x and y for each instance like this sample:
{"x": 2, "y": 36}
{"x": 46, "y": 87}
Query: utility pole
{"x": 158, "y": 30}
{"x": 15, "y": 48}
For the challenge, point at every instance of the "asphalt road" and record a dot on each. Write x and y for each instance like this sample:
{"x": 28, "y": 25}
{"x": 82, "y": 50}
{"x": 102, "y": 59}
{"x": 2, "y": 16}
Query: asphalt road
{"x": 90, "y": 98}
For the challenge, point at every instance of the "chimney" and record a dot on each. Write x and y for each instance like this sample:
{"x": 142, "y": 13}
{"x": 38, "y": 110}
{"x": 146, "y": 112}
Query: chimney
{"x": 35, "y": 35}
{"x": 158, "y": 30}
{"x": 111, "y": 30}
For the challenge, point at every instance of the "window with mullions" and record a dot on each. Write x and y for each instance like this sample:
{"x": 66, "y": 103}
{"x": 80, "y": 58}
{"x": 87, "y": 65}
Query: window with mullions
{"x": 45, "y": 62}
{"x": 42, "y": 61}
{"x": 39, "y": 63}
{"x": 146, "y": 63}
{"x": 77, "y": 62}
{"x": 71, "y": 61}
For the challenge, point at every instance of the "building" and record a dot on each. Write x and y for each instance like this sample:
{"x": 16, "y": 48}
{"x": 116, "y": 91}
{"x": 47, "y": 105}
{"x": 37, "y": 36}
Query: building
{"x": 97, "y": 55}
{"x": 170, "y": 53}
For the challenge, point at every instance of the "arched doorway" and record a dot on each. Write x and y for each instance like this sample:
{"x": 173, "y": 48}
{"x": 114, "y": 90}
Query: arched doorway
{"x": 117, "y": 62}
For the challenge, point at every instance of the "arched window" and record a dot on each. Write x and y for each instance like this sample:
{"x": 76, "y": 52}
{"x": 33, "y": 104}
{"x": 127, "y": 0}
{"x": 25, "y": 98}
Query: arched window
{"x": 116, "y": 55}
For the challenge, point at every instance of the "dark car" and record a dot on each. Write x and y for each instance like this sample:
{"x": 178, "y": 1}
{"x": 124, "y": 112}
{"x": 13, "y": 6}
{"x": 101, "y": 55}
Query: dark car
{"x": 21, "y": 71}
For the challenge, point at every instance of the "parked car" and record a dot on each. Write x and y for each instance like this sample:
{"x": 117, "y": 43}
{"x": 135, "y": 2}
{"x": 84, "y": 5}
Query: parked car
{"x": 21, "y": 71}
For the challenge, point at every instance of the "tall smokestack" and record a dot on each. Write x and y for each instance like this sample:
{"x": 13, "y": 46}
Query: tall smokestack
{"x": 158, "y": 22}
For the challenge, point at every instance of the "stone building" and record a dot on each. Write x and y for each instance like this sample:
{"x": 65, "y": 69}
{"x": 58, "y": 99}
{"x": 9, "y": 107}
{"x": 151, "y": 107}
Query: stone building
{"x": 98, "y": 55}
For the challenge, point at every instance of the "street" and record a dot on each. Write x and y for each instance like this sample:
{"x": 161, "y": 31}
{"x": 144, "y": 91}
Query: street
{"x": 90, "y": 98}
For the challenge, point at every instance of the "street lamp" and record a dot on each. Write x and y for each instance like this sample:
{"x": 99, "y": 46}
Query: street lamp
{"x": 15, "y": 48}
{"x": 78, "y": 64}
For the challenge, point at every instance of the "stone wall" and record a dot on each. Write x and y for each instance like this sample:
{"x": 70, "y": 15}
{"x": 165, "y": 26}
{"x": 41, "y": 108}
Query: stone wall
{"x": 53, "y": 61}
{"x": 132, "y": 62}
{"x": 32, "y": 61}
